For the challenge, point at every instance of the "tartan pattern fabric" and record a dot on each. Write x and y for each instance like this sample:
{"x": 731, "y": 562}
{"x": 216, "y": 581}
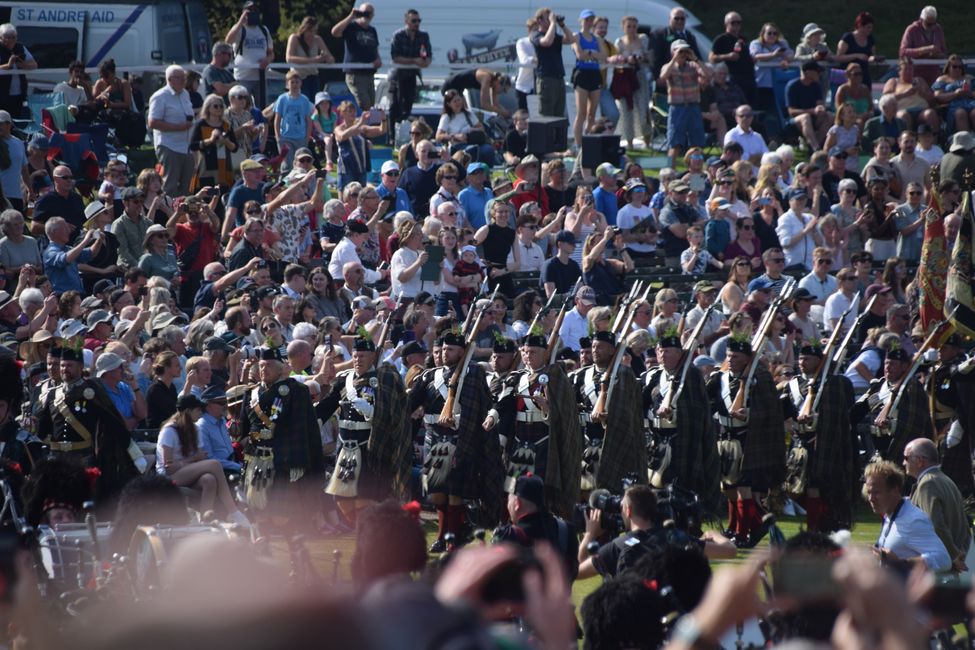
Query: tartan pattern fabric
{"x": 478, "y": 451}
{"x": 913, "y": 421}
{"x": 764, "y": 448}
{"x": 624, "y": 450}
{"x": 390, "y": 448}
{"x": 833, "y": 463}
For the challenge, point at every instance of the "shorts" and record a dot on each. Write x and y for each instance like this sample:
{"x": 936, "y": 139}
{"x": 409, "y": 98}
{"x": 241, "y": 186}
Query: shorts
{"x": 586, "y": 79}
{"x": 685, "y": 127}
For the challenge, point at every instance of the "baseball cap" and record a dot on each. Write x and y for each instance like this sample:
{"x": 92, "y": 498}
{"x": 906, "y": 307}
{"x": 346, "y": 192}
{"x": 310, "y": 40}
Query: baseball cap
{"x": 389, "y": 166}
{"x": 704, "y": 361}
{"x": 475, "y": 167}
{"x": 413, "y": 347}
{"x": 39, "y": 141}
{"x": 98, "y": 316}
{"x": 797, "y": 193}
{"x": 679, "y": 186}
{"x": 586, "y": 294}
{"x": 322, "y": 96}
{"x": 213, "y": 394}
{"x": 304, "y": 151}
{"x": 187, "y": 402}
{"x": 249, "y": 165}
{"x": 567, "y": 237}
{"x": 132, "y": 193}
{"x": 679, "y": 44}
{"x": 216, "y": 343}
{"x": 635, "y": 183}
{"x": 363, "y": 302}
{"x": 760, "y": 284}
{"x": 265, "y": 292}
{"x": 102, "y": 286}
{"x": 713, "y": 160}
{"x": 586, "y": 13}
{"x": 606, "y": 169}
{"x": 837, "y": 152}
{"x": 802, "y": 294}
{"x": 876, "y": 288}
{"x": 107, "y": 362}
{"x": 704, "y": 286}
{"x": 259, "y": 158}
{"x": 720, "y": 203}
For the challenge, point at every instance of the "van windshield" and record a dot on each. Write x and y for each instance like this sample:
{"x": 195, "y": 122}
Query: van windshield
{"x": 52, "y": 47}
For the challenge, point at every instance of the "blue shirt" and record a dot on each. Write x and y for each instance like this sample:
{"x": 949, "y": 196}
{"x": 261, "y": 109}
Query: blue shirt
{"x": 64, "y": 275}
{"x": 294, "y": 112}
{"x": 606, "y": 203}
{"x": 215, "y": 440}
{"x": 473, "y": 203}
{"x": 11, "y": 176}
{"x": 402, "y": 200}
{"x": 240, "y": 195}
{"x": 122, "y": 397}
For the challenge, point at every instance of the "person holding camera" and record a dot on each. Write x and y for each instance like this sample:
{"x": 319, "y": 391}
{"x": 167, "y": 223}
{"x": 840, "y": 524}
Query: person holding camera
{"x": 361, "y": 46}
{"x": 531, "y": 522}
{"x": 685, "y": 77}
{"x": 253, "y": 48}
{"x": 13, "y": 56}
{"x": 193, "y": 229}
{"x": 550, "y": 71}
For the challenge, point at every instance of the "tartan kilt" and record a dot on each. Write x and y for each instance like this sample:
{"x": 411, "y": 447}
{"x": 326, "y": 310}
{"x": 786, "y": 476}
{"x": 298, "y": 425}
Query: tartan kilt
{"x": 833, "y": 463}
{"x": 764, "y": 447}
{"x": 624, "y": 450}
{"x": 477, "y": 472}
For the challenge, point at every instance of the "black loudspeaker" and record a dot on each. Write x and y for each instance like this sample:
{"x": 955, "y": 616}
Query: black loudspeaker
{"x": 600, "y": 148}
{"x": 548, "y": 134}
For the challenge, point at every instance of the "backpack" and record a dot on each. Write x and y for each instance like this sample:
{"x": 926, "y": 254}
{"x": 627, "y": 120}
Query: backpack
{"x": 239, "y": 45}
{"x": 640, "y": 544}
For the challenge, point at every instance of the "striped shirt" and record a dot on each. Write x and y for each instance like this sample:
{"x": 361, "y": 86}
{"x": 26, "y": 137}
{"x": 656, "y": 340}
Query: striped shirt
{"x": 683, "y": 87}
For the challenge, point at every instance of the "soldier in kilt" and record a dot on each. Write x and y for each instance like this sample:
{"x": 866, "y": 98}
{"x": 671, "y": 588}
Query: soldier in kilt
{"x": 681, "y": 434}
{"x": 910, "y": 420}
{"x": 503, "y": 361}
{"x": 462, "y": 460}
{"x": 614, "y": 441}
{"x": 751, "y": 440}
{"x": 823, "y": 444}
{"x": 951, "y": 397}
{"x": 539, "y": 422}
{"x": 284, "y": 458}
{"x": 375, "y": 446}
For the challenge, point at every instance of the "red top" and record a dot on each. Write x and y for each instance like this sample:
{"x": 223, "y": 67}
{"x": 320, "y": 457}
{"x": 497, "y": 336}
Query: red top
{"x": 185, "y": 235}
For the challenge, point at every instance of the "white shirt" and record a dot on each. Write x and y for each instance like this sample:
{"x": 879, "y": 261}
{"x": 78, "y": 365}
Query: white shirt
{"x": 167, "y": 106}
{"x": 253, "y": 46}
{"x": 574, "y": 327}
{"x": 627, "y": 217}
{"x": 72, "y": 96}
{"x": 911, "y": 534}
{"x": 345, "y": 252}
{"x": 752, "y": 142}
{"x": 820, "y": 289}
{"x": 532, "y": 257}
{"x": 836, "y": 304}
{"x": 695, "y": 315}
{"x": 932, "y": 156}
{"x": 525, "y": 81}
{"x": 402, "y": 259}
{"x": 798, "y": 250}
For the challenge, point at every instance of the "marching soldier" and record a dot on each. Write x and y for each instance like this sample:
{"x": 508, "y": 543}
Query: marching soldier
{"x": 17, "y": 445}
{"x": 375, "y": 444}
{"x": 537, "y": 407}
{"x": 751, "y": 439}
{"x": 951, "y": 397}
{"x": 462, "y": 460}
{"x": 79, "y": 422}
{"x": 892, "y": 425}
{"x": 823, "y": 461}
{"x": 38, "y": 395}
{"x": 285, "y": 449}
{"x": 614, "y": 444}
{"x": 502, "y": 362}
{"x": 681, "y": 444}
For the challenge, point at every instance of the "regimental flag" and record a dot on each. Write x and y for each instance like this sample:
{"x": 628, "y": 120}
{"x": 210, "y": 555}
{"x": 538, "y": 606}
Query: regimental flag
{"x": 959, "y": 286}
{"x": 933, "y": 270}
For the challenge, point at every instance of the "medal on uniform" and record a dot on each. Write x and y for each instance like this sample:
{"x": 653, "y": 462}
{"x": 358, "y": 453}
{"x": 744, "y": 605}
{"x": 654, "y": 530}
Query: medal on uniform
{"x": 543, "y": 379}
{"x": 374, "y": 382}
{"x": 89, "y": 393}
{"x": 283, "y": 390}
{"x": 77, "y": 407}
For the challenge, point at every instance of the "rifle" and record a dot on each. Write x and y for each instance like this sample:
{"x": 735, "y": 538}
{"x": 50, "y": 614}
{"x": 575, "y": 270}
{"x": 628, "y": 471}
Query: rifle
{"x": 671, "y": 399}
{"x": 899, "y": 389}
{"x": 759, "y": 341}
{"x": 600, "y": 409}
{"x": 456, "y": 380}
{"x": 553, "y": 339}
{"x": 840, "y": 354}
{"x": 624, "y": 305}
{"x": 384, "y": 332}
{"x": 815, "y": 391}
{"x": 682, "y": 323}
{"x": 541, "y": 313}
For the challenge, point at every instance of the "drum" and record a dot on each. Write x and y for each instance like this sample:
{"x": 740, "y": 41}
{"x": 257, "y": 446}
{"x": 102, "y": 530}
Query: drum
{"x": 67, "y": 555}
{"x": 152, "y": 546}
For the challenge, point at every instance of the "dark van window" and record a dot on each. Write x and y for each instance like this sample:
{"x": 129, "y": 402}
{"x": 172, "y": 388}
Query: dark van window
{"x": 51, "y": 47}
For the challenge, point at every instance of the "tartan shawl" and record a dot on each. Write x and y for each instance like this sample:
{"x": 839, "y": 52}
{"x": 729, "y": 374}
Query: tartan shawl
{"x": 478, "y": 450}
{"x": 297, "y": 441}
{"x": 695, "y": 447}
{"x": 833, "y": 461}
{"x": 390, "y": 449}
{"x": 563, "y": 472}
{"x": 624, "y": 446}
{"x": 956, "y": 462}
{"x": 913, "y": 421}
{"x": 111, "y": 439}
{"x": 764, "y": 449}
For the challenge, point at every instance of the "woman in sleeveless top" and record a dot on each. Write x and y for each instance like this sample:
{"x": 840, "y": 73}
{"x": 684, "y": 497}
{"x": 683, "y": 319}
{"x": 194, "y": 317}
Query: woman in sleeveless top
{"x": 585, "y": 77}
{"x": 856, "y": 93}
{"x": 305, "y": 49}
{"x": 583, "y": 220}
{"x": 351, "y": 136}
{"x": 858, "y": 46}
{"x": 112, "y": 92}
{"x": 915, "y": 101}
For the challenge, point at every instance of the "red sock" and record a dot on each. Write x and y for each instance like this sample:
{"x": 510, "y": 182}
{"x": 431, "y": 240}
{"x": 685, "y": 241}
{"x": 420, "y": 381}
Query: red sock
{"x": 752, "y": 517}
{"x": 733, "y": 516}
{"x": 441, "y": 521}
{"x": 742, "y": 525}
{"x": 455, "y": 520}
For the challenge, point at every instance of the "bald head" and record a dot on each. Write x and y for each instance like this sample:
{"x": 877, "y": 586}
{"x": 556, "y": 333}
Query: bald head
{"x": 212, "y": 270}
{"x": 924, "y": 449}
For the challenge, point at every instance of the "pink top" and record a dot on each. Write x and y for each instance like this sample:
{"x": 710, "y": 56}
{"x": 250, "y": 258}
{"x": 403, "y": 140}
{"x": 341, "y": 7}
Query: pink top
{"x": 916, "y": 37}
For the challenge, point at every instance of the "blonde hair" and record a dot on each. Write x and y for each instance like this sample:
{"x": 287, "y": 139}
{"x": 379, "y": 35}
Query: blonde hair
{"x": 886, "y": 471}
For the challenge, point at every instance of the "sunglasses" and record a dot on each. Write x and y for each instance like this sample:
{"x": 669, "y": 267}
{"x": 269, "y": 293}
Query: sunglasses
{"x": 915, "y": 193}
{"x": 778, "y": 260}
{"x": 450, "y": 178}
{"x": 847, "y": 279}
{"x": 416, "y": 21}
{"x": 255, "y": 211}
{"x": 65, "y": 178}
{"x": 392, "y": 173}
{"x": 354, "y": 195}
{"x": 734, "y": 22}
{"x": 824, "y": 261}
{"x": 450, "y": 214}
{"x": 726, "y": 182}
{"x": 745, "y": 227}
{"x": 743, "y": 264}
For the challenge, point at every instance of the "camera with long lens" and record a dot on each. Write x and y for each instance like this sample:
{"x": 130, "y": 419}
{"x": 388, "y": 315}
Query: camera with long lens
{"x": 680, "y": 506}
{"x": 610, "y": 506}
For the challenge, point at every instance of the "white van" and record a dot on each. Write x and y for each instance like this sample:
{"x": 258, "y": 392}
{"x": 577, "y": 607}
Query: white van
{"x": 152, "y": 32}
{"x": 465, "y": 35}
